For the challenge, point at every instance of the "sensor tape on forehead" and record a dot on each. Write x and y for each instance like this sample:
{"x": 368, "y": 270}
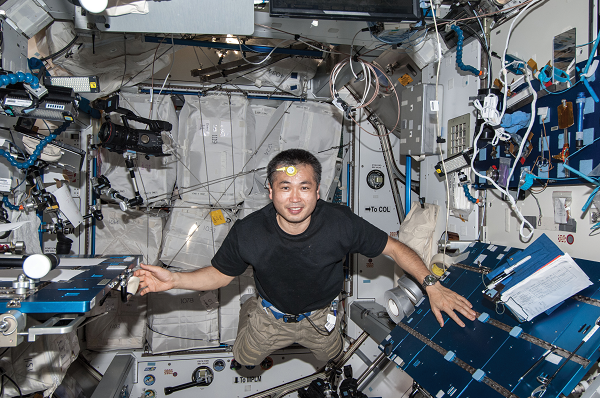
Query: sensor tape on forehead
{"x": 289, "y": 170}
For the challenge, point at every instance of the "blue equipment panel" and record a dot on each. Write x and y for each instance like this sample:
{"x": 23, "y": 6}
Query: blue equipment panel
{"x": 584, "y": 160}
{"x": 77, "y": 295}
{"x": 503, "y": 358}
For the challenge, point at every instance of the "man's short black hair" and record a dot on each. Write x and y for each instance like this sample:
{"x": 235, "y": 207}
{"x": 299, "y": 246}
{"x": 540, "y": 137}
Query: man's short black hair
{"x": 294, "y": 157}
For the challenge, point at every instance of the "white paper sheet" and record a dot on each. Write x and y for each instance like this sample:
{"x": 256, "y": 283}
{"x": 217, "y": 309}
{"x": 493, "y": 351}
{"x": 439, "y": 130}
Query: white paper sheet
{"x": 12, "y": 226}
{"x": 554, "y": 283}
{"x": 58, "y": 274}
{"x": 79, "y": 262}
{"x": 66, "y": 204}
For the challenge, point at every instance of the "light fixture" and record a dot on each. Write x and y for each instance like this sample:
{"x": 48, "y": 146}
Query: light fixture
{"x": 231, "y": 40}
{"x": 94, "y": 6}
{"x": 37, "y": 266}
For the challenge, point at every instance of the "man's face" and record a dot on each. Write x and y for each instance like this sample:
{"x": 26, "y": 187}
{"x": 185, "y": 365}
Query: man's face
{"x": 294, "y": 197}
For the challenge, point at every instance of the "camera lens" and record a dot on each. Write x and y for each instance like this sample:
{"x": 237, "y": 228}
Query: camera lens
{"x": 104, "y": 133}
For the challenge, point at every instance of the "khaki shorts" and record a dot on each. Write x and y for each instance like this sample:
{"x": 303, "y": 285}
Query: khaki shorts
{"x": 259, "y": 334}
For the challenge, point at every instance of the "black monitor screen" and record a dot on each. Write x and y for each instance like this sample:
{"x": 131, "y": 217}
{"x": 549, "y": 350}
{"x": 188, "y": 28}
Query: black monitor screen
{"x": 358, "y": 10}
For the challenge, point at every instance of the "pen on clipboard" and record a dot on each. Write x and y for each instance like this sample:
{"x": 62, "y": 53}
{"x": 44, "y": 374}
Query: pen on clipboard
{"x": 507, "y": 273}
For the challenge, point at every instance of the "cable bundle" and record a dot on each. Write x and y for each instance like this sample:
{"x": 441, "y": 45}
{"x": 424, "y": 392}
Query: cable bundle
{"x": 371, "y": 78}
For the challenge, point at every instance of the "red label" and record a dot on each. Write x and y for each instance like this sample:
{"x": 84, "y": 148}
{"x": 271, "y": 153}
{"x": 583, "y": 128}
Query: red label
{"x": 566, "y": 239}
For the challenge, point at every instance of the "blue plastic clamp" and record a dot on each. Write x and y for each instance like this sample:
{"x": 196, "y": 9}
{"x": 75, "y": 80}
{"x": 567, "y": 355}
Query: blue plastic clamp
{"x": 450, "y": 355}
{"x": 516, "y": 331}
{"x": 484, "y": 317}
{"x": 529, "y": 178}
{"x": 479, "y": 375}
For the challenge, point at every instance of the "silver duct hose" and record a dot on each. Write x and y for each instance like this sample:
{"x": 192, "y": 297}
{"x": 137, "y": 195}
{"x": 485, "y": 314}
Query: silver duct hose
{"x": 394, "y": 173}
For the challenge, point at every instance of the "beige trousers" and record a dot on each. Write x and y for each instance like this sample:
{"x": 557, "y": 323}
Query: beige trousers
{"x": 259, "y": 334}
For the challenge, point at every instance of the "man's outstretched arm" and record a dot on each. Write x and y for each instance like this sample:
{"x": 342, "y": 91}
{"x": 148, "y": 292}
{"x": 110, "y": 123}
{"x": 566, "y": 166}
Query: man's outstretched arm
{"x": 440, "y": 298}
{"x": 158, "y": 279}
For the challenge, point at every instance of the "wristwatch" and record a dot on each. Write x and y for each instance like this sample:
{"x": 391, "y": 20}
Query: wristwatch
{"x": 429, "y": 281}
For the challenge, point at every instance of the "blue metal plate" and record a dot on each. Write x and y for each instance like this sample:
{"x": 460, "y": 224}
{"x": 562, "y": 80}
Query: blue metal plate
{"x": 79, "y": 294}
{"x": 502, "y": 357}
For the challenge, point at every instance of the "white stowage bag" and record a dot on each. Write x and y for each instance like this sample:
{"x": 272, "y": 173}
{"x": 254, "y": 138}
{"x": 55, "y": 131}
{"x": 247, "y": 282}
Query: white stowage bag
{"x": 116, "y": 59}
{"x": 231, "y": 298}
{"x": 216, "y": 134}
{"x": 124, "y": 7}
{"x": 155, "y": 176}
{"x": 417, "y": 229}
{"x": 266, "y": 145}
{"x": 39, "y": 365}
{"x": 182, "y": 320}
{"x": 131, "y": 232}
{"x": 124, "y": 327}
{"x": 28, "y": 232}
{"x": 460, "y": 206}
{"x": 289, "y": 74}
{"x": 190, "y": 237}
{"x": 254, "y": 203}
{"x": 317, "y": 128}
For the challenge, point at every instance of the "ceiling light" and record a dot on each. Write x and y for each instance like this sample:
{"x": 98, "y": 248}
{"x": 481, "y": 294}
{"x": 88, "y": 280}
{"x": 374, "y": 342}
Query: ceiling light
{"x": 94, "y": 6}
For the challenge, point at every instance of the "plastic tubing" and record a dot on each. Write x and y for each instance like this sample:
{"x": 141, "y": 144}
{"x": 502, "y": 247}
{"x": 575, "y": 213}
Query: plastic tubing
{"x": 459, "y": 52}
{"x": 7, "y": 203}
{"x": 13, "y": 78}
{"x": 468, "y": 194}
{"x": 38, "y": 149}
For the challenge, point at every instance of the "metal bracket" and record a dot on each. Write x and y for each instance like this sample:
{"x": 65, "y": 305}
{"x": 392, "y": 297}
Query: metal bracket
{"x": 49, "y": 328}
{"x": 336, "y": 180}
{"x": 16, "y": 303}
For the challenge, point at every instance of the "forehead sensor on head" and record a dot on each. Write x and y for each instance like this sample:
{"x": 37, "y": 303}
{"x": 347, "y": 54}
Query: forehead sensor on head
{"x": 289, "y": 170}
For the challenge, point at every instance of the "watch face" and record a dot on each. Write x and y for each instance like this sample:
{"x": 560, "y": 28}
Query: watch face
{"x": 429, "y": 280}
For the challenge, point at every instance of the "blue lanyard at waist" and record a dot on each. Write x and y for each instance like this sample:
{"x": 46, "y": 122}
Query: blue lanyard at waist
{"x": 281, "y": 315}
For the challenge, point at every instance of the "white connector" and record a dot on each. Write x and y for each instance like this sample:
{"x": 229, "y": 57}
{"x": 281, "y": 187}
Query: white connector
{"x": 543, "y": 114}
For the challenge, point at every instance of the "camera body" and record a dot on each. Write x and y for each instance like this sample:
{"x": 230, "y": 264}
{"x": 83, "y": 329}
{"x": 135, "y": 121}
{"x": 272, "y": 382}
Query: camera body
{"x": 122, "y": 138}
{"x": 119, "y": 139}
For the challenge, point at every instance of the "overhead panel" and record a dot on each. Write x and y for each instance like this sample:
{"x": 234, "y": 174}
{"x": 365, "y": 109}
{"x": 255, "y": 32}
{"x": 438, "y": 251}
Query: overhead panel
{"x": 217, "y": 17}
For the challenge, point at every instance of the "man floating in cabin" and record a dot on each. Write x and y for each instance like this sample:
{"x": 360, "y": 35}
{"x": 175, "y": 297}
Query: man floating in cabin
{"x": 297, "y": 245}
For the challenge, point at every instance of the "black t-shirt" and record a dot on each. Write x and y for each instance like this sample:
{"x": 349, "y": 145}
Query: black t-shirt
{"x": 298, "y": 273}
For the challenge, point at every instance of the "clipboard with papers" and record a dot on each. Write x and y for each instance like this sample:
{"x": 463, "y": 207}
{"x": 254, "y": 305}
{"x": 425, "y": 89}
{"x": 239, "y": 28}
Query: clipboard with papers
{"x": 535, "y": 280}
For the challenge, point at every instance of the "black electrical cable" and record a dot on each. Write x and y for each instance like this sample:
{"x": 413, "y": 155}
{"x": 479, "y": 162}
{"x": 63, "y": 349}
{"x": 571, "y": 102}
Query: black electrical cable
{"x": 14, "y": 142}
{"x": 12, "y": 381}
{"x": 65, "y": 48}
{"x": 125, "y": 60}
{"x": 326, "y": 333}
{"x": 176, "y": 337}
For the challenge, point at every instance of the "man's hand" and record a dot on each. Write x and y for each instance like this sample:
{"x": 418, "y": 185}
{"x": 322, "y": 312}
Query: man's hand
{"x": 443, "y": 299}
{"x": 154, "y": 279}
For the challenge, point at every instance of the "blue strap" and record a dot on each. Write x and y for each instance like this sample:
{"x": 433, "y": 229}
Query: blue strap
{"x": 281, "y": 315}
